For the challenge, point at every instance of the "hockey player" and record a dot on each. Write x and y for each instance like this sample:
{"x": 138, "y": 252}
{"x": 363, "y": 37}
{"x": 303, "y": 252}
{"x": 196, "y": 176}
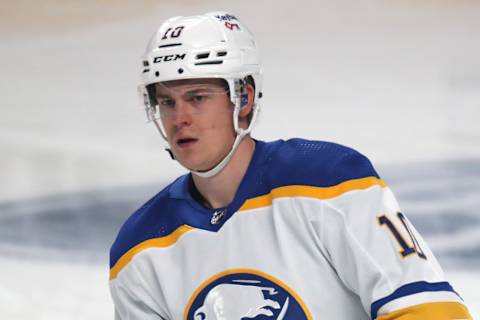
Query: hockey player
{"x": 288, "y": 230}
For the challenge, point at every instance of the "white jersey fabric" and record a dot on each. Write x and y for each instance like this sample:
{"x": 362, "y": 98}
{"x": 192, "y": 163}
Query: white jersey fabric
{"x": 313, "y": 233}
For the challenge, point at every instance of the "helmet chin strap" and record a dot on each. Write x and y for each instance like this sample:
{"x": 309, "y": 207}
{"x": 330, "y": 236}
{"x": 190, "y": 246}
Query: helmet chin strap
{"x": 241, "y": 133}
{"x": 221, "y": 165}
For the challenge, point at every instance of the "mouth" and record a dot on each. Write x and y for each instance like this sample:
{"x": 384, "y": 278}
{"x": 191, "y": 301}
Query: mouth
{"x": 186, "y": 142}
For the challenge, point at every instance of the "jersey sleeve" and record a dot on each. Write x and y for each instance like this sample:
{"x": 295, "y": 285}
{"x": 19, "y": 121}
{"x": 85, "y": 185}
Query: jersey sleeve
{"x": 133, "y": 298}
{"x": 379, "y": 255}
{"x": 133, "y": 287}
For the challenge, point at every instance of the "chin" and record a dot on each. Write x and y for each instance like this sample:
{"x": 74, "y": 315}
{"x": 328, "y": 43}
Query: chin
{"x": 198, "y": 161}
{"x": 191, "y": 164}
{"x": 196, "y": 165}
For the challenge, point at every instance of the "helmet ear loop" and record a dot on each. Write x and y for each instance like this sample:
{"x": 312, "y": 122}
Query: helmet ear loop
{"x": 161, "y": 130}
{"x": 145, "y": 95}
{"x": 243, "y": 101}
{"x": 255, "y": 110}
{"x": 236, "y": 114}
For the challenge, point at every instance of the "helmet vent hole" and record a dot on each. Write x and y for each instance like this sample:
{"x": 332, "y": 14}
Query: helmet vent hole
{"x": 169, "y": 45}
{"x": 157, "y": 74}
{"x": 221, "y": 53}
{"x": 203, "y": 55}
{"x": 208, "y": 62}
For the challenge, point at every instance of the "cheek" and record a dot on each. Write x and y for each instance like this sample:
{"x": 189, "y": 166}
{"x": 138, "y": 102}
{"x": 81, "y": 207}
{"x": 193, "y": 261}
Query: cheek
{"x": 219, "y": 118}
{"x": 224, "y": 125}
{"x": 226, "y": 116}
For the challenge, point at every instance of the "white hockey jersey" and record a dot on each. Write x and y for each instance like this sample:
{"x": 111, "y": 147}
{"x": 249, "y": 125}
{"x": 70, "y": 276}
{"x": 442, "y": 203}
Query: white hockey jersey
{"x": 312, "y": 233}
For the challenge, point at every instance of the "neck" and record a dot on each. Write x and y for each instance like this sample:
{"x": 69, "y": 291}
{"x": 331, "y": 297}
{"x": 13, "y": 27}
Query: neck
{"x": 218, "y": 191}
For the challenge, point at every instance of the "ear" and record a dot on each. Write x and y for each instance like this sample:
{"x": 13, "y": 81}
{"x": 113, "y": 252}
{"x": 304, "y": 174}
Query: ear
{"x": 247, "y": 108}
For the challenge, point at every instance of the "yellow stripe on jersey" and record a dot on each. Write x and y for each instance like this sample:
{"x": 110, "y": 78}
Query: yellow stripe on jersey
{"x": 312, "y": 192}
{"x": 258, "y": 202}
{"x": 430, "y": 311}
{"x": 152, "y": 243}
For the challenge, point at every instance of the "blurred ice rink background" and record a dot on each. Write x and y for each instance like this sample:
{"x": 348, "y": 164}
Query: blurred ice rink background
{"x": 397, "y": 80}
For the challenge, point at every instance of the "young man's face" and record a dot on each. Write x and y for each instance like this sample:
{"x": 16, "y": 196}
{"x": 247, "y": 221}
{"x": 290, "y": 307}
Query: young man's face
{"x": 197, "y": 117}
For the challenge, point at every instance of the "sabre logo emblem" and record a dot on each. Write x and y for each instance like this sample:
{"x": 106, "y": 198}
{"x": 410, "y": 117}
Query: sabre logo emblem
{"x": 170, "y": 57}
{"x": 245, "y": 294}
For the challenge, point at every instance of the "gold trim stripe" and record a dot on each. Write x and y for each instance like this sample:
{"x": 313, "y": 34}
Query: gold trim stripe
{"x": 434, "y": 310}
{"x": 152, "y": 243}
{"x": 312, "y": 192}
{"x": 254, "y": 203}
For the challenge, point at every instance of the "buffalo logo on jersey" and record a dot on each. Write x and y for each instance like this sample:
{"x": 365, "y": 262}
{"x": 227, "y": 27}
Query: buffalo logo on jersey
{"x": 245, "y": 294}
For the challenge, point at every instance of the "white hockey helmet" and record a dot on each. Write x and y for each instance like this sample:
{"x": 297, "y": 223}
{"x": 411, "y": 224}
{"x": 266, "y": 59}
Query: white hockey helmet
{"x": 212, "y": 45}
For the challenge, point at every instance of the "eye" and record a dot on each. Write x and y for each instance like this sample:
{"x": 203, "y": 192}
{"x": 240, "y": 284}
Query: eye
{"x": 197, "y": 97}
{"x": 166, "y": 102}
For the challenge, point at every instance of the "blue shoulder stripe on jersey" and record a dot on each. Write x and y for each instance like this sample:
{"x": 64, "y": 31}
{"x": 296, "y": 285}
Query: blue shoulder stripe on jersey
{"x": 317, "y": 163}
{"x": 154, "y": 219}
{"x": 408, "y": 289}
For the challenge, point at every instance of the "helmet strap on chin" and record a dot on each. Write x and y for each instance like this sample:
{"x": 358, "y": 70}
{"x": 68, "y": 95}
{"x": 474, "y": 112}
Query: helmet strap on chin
{"x": 151, "y": 115}
{"x": 222, "y": 164}
{"x": 170, "y": 152}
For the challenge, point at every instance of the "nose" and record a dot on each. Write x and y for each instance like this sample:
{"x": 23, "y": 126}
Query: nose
{"x": 182, "y": 115}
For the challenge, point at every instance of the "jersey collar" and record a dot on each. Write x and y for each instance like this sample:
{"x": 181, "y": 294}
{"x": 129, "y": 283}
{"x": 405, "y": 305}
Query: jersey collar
{"x": 197, "y": 215}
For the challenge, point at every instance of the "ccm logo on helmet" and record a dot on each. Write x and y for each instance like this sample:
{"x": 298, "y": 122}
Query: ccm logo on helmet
{"x": 170, "y": 57}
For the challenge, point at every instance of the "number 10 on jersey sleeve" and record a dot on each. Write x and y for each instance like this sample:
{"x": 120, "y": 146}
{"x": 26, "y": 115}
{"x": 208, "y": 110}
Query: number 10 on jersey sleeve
{"x": 407, "y": 248}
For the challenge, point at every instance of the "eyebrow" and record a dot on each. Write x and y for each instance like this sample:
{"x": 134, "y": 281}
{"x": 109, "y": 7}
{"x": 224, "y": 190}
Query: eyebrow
{"x": 197, "y": 90}
{"x": 159, "y": 95}
{"x": 189, "y": 92}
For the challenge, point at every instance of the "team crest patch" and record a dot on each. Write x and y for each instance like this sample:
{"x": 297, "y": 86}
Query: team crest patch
{"x": 245, "y": 294}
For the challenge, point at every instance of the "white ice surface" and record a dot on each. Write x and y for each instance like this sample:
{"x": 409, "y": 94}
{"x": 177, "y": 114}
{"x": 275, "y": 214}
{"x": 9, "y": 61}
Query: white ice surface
{"x": 53, "y": 291}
